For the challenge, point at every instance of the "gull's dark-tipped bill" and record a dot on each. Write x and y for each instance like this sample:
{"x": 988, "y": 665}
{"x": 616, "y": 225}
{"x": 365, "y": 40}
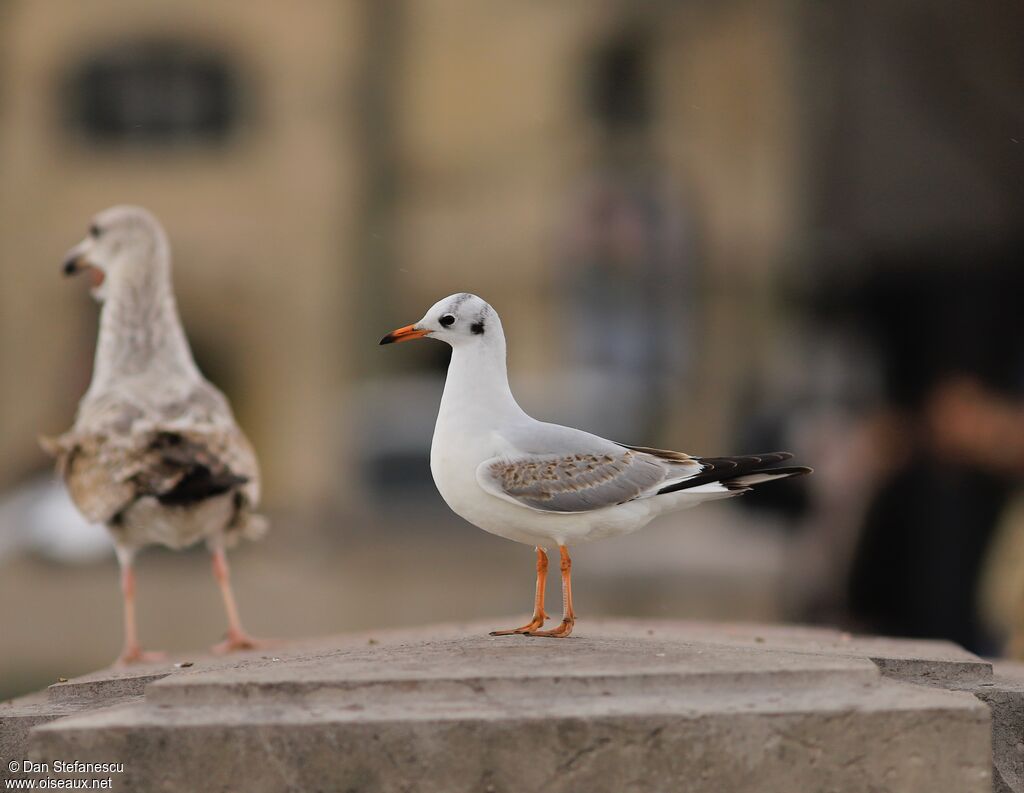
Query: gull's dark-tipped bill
{"x": 76, "y": 264}
{"x": 408, "y": 333}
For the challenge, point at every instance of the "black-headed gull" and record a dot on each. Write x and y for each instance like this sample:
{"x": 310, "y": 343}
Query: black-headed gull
{"x": 544, "y": 484}
{"x": 155, "y": 453}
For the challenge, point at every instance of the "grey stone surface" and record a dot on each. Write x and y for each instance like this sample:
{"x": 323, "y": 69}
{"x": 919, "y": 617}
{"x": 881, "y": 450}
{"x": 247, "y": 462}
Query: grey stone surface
{"x": 1004, "y": 695}
{"x": 18, "y": 717}
{"x": 652, "y": 706}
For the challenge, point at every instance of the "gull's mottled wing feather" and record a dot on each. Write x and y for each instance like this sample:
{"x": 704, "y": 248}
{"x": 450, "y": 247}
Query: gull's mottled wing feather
{"x": 573, "y": 482}
{"x": 91, "y": 468}
{"x": 205, "y": 420}
{"x": 120, "y": 450}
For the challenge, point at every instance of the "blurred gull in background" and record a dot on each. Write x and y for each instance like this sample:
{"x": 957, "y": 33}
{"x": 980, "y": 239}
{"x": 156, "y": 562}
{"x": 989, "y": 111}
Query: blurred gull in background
{"x": 155, "y": 453}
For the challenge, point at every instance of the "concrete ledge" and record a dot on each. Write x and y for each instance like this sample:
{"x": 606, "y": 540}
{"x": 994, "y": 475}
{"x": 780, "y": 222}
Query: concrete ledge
{"x": 1004, "y": 695}
{"x": 624, "y": 705}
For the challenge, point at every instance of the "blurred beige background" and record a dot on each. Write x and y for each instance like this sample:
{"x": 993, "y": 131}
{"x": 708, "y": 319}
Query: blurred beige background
{"x": 656, "y": 196}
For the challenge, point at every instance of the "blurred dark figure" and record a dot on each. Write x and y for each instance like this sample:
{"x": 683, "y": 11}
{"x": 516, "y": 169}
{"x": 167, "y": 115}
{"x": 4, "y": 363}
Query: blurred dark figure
{"x": 950, "y": 335}
{"x": 626, "y": 273}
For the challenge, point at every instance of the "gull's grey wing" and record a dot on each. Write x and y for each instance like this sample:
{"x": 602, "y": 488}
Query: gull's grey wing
{"x": 572, "y": 482}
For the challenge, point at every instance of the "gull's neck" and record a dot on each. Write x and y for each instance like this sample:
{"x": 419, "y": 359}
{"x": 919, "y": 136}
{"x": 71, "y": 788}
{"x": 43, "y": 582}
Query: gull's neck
{"x": 140, "y": 332}
{"x": 476, "y": 390}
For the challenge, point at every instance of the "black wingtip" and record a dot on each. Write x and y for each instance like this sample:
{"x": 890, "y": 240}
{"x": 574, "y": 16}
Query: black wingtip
{"x": 730, "y": 470}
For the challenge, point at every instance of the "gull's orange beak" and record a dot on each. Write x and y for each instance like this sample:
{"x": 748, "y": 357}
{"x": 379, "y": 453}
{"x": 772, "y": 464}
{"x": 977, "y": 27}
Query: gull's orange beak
{"x": 408, "y": 333}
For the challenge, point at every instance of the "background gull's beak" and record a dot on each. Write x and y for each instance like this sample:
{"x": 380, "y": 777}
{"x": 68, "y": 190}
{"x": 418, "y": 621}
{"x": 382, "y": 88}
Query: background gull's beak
{"x": 74, "y": 259}
{"x": 73, "y": 264}
{"x": 408, "y": 333}
{"x": 76, "y": 262}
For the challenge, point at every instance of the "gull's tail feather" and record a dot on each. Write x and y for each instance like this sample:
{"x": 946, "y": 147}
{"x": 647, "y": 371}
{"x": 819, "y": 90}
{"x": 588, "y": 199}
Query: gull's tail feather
{"x": 747, "y": 481}
{"x": 738, "y": 474}
{"x": 245, "y": 525}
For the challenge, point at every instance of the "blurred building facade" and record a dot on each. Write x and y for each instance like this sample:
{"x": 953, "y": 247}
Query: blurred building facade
{"x": 722, "y": 226}
{"x": 326, "y": 170}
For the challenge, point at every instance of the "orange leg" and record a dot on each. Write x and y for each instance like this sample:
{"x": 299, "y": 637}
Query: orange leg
{"x": 538, "y": 599}
{"x": 568, "y": 615}
{"x": 237, "y": 638}
{"x": 131, "y": 652}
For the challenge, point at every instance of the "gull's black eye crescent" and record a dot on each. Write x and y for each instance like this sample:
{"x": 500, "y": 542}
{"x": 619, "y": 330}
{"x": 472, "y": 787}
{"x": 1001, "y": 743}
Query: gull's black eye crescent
{"x": 447, "y": 320}
{"x": 94, "y": 231}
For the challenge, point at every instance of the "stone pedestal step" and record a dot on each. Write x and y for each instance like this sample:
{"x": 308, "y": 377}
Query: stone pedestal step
{"x": 654, "y": 706}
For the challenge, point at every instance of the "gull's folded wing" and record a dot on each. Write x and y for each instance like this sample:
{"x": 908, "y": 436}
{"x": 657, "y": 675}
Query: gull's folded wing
{"x": 116, "y": 455}
{"x": 571, "y": 483}
{"x": 584, "y": 482}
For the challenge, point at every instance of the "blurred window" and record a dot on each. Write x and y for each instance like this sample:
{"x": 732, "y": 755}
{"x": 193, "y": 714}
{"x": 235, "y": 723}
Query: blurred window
{"x": 617, "y": 83}
{"x": 153, "y": 93}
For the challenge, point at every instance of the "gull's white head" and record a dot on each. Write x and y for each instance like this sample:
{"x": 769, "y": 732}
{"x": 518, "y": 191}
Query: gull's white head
{"x": 459, "y": 320}
{"x": 123, "y": 242}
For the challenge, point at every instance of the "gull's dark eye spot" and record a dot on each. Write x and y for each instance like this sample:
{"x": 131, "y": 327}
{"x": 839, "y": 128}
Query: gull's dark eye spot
{"x": 477, "y": 327}
{"x": 447, "y": 320}
{"x": 94, "y": 231}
